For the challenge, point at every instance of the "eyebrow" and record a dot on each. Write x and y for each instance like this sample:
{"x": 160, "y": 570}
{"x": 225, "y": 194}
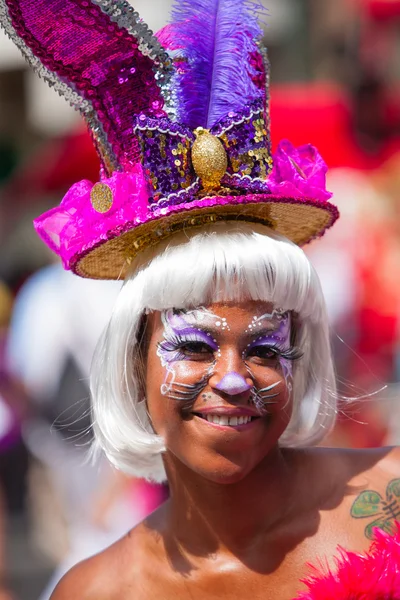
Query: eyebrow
{"x": 265, "y": 332}
{"x": 206, "y": 330}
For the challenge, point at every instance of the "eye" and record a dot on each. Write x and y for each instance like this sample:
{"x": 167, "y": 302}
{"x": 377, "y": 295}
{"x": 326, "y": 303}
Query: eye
{"x": 264, "y": 352}
{"x": 195, "y": 348}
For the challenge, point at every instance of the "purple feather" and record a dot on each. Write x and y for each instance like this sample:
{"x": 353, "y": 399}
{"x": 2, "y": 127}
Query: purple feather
{"x": 216, "y": 39}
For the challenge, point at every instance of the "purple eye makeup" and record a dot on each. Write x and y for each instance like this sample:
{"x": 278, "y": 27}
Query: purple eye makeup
{"x": 184, "y": 341}
{"x": 187, "y": 338}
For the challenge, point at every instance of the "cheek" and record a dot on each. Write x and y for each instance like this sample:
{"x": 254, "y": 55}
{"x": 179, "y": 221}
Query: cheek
{"x": 277, "y": 401}
{"x": 172, "y": 373}
{"x": 187, "y": 371}
{"x": 164, "y": 386}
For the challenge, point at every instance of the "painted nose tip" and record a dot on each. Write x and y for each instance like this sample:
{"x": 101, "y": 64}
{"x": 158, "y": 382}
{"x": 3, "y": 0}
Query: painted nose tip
{"x": 233, "y": 384}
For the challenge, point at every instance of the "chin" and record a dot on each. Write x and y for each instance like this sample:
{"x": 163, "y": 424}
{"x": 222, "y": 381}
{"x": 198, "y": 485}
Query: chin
{"x": 229, "y": 476}
{"x": 221, "y": 457}
{"x": 227, "y": 470}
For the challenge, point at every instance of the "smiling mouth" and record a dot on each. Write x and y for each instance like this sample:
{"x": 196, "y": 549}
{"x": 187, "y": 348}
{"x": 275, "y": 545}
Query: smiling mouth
{"x": 226, "y": 421}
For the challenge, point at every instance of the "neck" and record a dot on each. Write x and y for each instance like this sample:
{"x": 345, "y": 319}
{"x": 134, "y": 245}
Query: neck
{"x": 213, "y": 517}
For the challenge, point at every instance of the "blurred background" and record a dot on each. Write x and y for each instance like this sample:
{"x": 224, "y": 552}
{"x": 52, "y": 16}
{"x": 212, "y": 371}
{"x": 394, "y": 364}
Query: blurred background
{"x": 336, "y": 84}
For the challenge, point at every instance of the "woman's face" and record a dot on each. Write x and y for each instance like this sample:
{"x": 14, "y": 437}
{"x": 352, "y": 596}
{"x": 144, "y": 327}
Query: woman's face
{"x": 218, "y": 385}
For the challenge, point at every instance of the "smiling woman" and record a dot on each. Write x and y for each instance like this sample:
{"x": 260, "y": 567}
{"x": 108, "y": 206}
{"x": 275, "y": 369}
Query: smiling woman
{"x": 179, "y": 307}
{"x": 215, "y": 372}
{"x": 227, "y": 417}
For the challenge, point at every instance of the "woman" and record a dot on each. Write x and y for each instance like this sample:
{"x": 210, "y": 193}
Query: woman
{"x": 215, "y": 372}
{"x": 228, "y": 416}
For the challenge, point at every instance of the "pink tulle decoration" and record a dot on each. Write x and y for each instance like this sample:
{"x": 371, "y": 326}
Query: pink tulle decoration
{"x": 372, "y": 576}
{"x": 76, "y": 226}
{"x": 298, "y": 172}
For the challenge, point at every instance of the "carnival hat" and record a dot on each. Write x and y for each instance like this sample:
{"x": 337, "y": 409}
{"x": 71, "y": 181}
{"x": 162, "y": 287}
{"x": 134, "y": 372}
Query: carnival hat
{"x": 180, "y": 121}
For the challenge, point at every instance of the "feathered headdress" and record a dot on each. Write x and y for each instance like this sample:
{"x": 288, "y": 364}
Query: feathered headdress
{"x": 180, "y": 121}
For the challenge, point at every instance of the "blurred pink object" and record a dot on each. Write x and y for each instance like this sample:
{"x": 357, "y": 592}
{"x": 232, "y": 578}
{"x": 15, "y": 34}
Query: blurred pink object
{"x": 147, "y": 497}
{"x": 298, "y": 172}
{"x": 371, "y": 576}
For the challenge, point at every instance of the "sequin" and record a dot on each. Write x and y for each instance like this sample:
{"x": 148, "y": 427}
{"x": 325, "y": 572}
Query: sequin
{"x": 168, "y": 150}
{"x": 108, "y": 64}
{"x": 209, "y": 158}
{"x": 101, "y": 197}
{"x": 74, "y": 54}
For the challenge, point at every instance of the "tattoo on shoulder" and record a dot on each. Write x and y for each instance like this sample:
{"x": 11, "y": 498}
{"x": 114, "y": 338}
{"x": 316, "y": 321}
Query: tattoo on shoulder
{"x": 382, "y": 512}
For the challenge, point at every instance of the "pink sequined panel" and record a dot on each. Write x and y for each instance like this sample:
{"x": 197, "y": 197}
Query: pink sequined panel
{"x": 86, "y": 49}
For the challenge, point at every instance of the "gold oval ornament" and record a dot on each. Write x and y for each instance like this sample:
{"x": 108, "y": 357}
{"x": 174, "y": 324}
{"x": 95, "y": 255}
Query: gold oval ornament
{"x": 209, "y": 159}
{"x": 101, "y": 197}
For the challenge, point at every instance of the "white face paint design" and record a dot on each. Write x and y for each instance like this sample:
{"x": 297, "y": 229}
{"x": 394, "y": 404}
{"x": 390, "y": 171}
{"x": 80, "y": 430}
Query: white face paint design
{"x": 257, "y": 322}
{"x": 180, "y": 329}
{"x": 278, "y": 340}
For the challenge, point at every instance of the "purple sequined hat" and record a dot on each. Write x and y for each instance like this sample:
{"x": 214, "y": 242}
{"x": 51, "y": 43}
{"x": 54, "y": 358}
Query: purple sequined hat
{"x": 180, "y": 121}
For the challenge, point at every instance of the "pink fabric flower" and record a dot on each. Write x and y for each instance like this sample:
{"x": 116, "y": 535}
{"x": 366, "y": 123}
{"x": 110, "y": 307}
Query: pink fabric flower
{"x": 75, "y": 226}
{"x": 298, "y": 173}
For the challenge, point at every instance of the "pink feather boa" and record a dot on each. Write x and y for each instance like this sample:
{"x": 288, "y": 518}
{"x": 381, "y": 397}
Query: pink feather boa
{"x": 371, "y": 576}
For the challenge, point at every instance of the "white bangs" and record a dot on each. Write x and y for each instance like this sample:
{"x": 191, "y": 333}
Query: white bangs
{"x": 224, "y": 262}
{"x": 227, "y": 262}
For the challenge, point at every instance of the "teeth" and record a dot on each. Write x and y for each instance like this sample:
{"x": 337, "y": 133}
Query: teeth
{"x": 225, "y": 421}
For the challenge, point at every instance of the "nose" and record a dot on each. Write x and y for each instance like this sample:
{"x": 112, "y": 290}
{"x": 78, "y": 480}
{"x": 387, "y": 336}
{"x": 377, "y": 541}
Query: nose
{"x": 230, "y": 375}
{"x": 233, "y": 384}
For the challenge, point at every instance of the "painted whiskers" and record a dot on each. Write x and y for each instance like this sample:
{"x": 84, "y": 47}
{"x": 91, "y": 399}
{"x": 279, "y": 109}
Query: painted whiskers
{"x": 182, "y": 340}
{"x": 184, "y": 392}
{"x": 262, "y": 398}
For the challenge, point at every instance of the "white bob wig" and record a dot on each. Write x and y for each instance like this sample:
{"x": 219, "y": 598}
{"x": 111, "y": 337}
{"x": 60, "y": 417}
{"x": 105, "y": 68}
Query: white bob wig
{"x": 223, "y": 262}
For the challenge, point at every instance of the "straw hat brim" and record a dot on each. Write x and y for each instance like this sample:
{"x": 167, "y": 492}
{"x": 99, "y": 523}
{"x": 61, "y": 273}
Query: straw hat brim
{"x": 299, "y": 219}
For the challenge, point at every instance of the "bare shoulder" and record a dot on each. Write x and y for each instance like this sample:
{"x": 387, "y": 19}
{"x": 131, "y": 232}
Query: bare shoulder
{"x": 357, "y": 465}
{"x": 353, "y": 470}
{"x": 364, "y": 493}
{"x": 376, "y": 466}
{"x": 85, "y": 581}
{"x": 112, "y": 574}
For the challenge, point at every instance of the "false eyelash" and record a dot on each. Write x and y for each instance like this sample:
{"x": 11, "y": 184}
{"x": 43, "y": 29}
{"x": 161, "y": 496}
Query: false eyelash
{"x": 174, "y": 342}
{"x": 292, "y": 353}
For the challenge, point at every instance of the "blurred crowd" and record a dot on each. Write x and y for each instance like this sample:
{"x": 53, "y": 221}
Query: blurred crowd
{"x": 336, "y": 84}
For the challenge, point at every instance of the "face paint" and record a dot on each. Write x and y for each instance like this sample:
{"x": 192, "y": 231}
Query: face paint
{"x": 202, "y": 314}
{"x": 185, "y": 335}
{"x": 261, "y": 398}
{"x": 179, "y": 334}
{"x": 233, "y": 384}
{"x": 275, "y": 316}
{"x": 277, "y": 343}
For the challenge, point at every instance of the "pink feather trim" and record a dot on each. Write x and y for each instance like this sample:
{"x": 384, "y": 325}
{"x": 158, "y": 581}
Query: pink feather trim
{"x": 371, "y": 576}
